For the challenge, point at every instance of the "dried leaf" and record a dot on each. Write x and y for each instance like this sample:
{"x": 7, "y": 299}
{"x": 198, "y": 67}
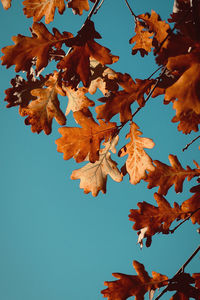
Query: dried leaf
{"x": 27, "y": 48}
{"x": 6, "y": 4}
{"x": 133, "y": 285}
{"x": 82, "y": 142}
{"x": 93, "y": 176}
{"x": 165, "y": 176}
{"x": 79, "y": 5}
{"x": 37, "y": 10}
{"x": 138, "y": 161}
{"x": 193, "y": 205}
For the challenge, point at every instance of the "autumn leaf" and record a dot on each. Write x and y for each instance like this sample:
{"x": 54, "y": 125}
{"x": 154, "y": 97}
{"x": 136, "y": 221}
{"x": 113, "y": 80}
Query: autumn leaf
{"x": 77, "y": 100}
{"x": 143, "y": 39}
{"x": 133, "y": 285}
{"x": 37, "y": 10}
{"x": 76, "y": 64}
{"x": 93, "y": 176}
{"x": 20, "y": 92}
{"x": 41, "y": 111}
{"x": 155, "y": 219}
{"x": 184, "y": 93}
{"x": 138, "y": 161}
{"x": 120, "y": 101}
{"x": 165, "y": 176}
{"x": 79, "y": 5}
{"x": 80, "y": 143}
{"x": 192, "y": 205}
{"x": 38, "y": 46}
{"x": 6, "y": 4}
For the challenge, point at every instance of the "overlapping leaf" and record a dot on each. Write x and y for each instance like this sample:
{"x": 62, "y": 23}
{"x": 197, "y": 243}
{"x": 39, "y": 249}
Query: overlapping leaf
{"x": 41, "y": 111}
{"x": 77, "y": 63}
{"x": 82, "y": 142}
{"x": 93, "y": 176}
{"x": 138, "y": 161}
{"x": 120, "y": 101}
{"x": 165, "y": 176}
{"x": 39, "y": 9}
{"x": 155, "y": 219}
{"x": 38, "y": 46}
{"x": 133, "y": 285}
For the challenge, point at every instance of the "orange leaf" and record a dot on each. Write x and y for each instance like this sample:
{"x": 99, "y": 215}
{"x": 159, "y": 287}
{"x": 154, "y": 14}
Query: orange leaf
{"x": 80, "y": 142}
{"x": 133, "y": 285}
{"x": 6, "y": 4}
{"x": 41, "y": 111}
{"x": 79, "y": 5}
{"x": 37, "y": 10}
{"x": 93, "y": 176}
{"x": 193, "y": 204}
{"x": 165, "y": 176}
{"x": 27, "y": 48}
{"x": 143, "y": 40}
{"x": 155, "y": 219}
{"x": 120, "y": 101}
{"x": 138, "y": 162}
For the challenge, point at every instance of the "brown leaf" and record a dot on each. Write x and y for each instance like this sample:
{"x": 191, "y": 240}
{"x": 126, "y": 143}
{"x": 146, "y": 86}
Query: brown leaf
{"x": 120, "y": 101}
{"x": 27, "y": 48}
{"x": 189, "y": 121}
{"x": 143, "y": 40}
{"x": 165, "y": 176}
{"x": 79, "y": 5}
{"x": 6, "y": 4}
{"x": 156, "y": 219}
{"x": 193, "y": 205}
{"x": 37, "y": 10}
{"x": 138, "y": 161}
{"x": 41, "y": 111}
{"x": 93, "y": 176}
{"x": 82, "y": 142}
{"x": 133, "y": 285}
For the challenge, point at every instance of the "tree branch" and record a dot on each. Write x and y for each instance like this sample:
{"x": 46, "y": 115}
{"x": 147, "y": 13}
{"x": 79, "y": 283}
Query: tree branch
{"x": 130, "y": 9}
{"x": 185, "y": 148}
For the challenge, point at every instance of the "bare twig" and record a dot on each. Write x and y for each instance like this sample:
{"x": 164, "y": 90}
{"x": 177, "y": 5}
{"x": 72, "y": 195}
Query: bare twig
{"x": 191, "y": 214}
{"x": 130, "y": 9}
{"x": 185, "y": 148}
{"x": 92, "y": 10}
{"x": 181, "y": 270}
{"x": 97, "y": 9}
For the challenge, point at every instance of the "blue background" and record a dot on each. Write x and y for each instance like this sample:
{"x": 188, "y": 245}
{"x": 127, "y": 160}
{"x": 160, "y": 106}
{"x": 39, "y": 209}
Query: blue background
{"x": 55, "y": 241}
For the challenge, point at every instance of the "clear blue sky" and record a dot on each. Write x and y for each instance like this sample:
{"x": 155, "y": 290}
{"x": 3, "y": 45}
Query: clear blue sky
{"x": 55, "y": 241}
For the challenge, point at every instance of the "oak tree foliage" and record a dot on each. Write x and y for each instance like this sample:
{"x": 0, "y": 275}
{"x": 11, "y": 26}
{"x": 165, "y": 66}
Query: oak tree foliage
{"x": 82, "y": 70}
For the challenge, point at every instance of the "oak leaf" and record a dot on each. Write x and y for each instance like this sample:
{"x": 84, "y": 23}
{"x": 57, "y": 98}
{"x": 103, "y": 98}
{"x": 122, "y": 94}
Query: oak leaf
{"x": 165, "y": 176}
{"x": 77, "y": 63}
{"x": 120, "y": 101}
{"x": 6, "y": 4}
{"x": 155, "y": 219}
{"x": 79, "y": 5}
{"x": 37, "y": 10}
{"x": 93, "y": 176}
{"x": 41, "y": 111}
{"x": 138, "y": 161}
{"x": 38, "y": 46}
{"x": 192, "y": 205}
{"x": 80, "y": 143}
{"x": 133, "y": 285}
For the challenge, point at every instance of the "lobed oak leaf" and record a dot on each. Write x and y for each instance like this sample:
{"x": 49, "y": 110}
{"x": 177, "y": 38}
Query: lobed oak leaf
{"x": 93, "y": 176}
{"x": 189, "y": 121}
{"x": 20, "y": 93}
{"x": 193, "y": 205}
{"x": 82, "y": 142}
{"x": 76, "y": 64}
{"x": 79, "y": 5}
{"x": 143, "y": 40}
{"x": 77, "y": 100}
{"x": 165, "y": 176}
{"x": 186, "y": 88}
{"x": 6, "y": 4}
{"x": 27, "y": 48}
{"x": 133, "y": 285}
{"x": 41, "y": 111}
{"x": 37, "y": 10}
{"x": 120, "y": 101}
{"x": 138, "y": 161}
{"x": 155, "y": 219}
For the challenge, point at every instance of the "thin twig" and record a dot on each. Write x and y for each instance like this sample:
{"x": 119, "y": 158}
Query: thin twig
{"x": 97, "y": 9}
{"x": 191, "y": 214}
{"x": 92, "y": 10}
{"x": 181, "y": 270}
{"x": 190, "y": 143}
{"x": 130, "y": 9}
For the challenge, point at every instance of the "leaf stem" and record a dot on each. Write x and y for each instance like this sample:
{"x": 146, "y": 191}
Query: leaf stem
{"x": 130, "y": 9}
{"x": 181, "y": 270}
